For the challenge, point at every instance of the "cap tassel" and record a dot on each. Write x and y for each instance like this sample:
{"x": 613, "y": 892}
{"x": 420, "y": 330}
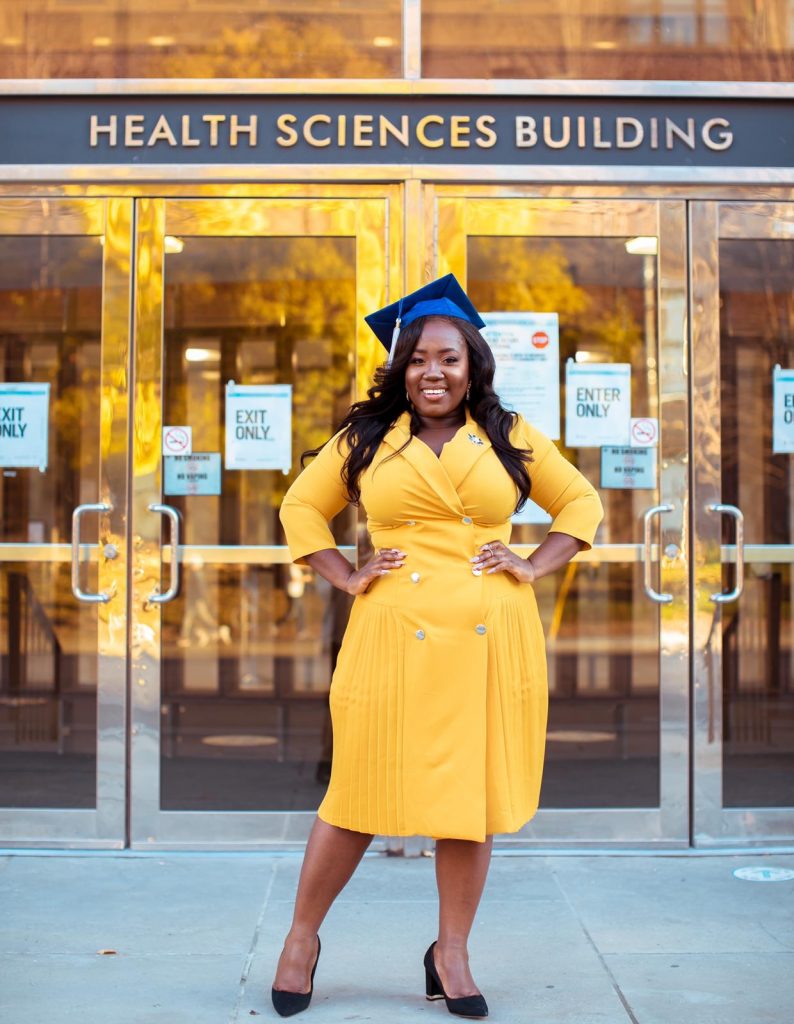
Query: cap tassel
{"x": 395, "y": 334}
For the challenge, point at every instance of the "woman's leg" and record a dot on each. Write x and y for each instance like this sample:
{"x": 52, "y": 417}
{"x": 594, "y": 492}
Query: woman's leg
{"x": 461, "y": 870}
{"x": 332, "y": 855}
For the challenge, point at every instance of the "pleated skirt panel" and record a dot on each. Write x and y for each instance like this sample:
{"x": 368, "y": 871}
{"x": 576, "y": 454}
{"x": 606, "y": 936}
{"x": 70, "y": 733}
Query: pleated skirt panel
{"x": 447, "y": 743}
{"x": 365, "y": 791}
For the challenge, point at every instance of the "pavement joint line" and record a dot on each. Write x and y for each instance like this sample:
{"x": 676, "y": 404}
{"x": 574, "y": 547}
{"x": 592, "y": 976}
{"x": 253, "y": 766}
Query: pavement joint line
{"x": 250, "y": 956}
{"x": 692, "y": 853}
{"x": 615, "y": 985}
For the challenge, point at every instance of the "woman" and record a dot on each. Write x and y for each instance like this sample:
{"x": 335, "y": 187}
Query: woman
{"x": 439, "y": 697}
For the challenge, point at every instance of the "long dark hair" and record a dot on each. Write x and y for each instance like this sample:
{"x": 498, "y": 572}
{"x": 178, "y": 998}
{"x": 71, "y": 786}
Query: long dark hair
{"x": 368, "y": 421}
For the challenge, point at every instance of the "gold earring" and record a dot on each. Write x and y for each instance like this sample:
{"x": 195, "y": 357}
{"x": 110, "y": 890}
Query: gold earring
{"x": 468, "y": 389}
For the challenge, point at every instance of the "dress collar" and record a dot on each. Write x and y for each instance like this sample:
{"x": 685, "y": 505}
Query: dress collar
{"x": 445, "y": 473}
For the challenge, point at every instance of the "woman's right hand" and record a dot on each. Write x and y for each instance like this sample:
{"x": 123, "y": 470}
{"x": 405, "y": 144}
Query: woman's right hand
{"x": 381, "y": 564}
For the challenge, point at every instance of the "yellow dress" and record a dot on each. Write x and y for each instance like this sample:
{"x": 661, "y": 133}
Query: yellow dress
{"x": 439, "y": 699}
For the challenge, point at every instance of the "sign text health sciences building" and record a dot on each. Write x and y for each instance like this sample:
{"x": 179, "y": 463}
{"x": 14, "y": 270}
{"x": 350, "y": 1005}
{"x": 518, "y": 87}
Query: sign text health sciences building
{"x": 197, "y": 208}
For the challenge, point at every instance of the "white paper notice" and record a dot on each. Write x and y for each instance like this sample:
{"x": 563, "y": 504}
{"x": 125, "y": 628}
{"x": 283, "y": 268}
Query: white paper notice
{"x": 24, "y": 425}
{"x": 259, "y": 426}
{"x": 526, "y": 347}
{"x": 782, "y": 411}
{"x": 597, "y": 404}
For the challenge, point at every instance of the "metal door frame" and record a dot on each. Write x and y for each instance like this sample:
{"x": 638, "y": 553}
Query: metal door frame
{"x": 373, "y": 218}
{"x": 105, "y": 825}
{"x": 713, "y": 824}
{"x": 451, "y": 215}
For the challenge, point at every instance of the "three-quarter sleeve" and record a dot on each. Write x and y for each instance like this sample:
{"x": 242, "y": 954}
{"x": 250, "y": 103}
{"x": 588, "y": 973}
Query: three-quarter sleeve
{"x": 559, "y": 488}
{"x": 313, "y": 499}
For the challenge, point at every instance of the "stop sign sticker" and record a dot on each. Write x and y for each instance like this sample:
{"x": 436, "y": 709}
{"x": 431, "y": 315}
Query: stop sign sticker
{"x": 540, "y": 339}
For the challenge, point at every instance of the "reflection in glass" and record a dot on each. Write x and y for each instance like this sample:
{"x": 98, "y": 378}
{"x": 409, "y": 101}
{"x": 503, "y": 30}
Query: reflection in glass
{"x": 706, "y": 40}
{"x": 193, "y": 39}
{"x": 756, "y": 333}
{"x": 50, "y": 290}
{"x": 602, "y": 631}
{"x": 250, "y": 643}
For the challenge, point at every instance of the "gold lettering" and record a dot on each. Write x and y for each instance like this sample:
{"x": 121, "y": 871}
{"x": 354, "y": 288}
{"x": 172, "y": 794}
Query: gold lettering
{"x": 598, "y": 142}
{"x": 213, "y": 120}
{"x": 724, "y": 138}
{"x": 362, "y": 125}
{"x": 654, "y": 133}
{"x": 459, "y": 126}
{"x": 310, "y": 123}
{"x": 674, "y": 131}
{"x": 111, "y": 129}
{"x": 133, "y": 127}
{"x": 162, "y": 132}
{"x": 289, "y": 136}
{"x": 341, "y": 130}
{"x": 566, "y": 133}
{"x": 621, "y": 124}
{"x": 483, "y": 126}
{"x": 526, "y": 132}
{"x": 421, "y": 133}
{"x": 186, "y": 139}
{"x": 581, "y": 132}
{"x": 235, "y": 129}
{"x": 389, "y": 128}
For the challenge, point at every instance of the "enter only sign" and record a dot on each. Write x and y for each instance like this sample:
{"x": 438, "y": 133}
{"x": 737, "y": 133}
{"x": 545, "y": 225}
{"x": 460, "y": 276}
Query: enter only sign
{"x": 644, "y": 432}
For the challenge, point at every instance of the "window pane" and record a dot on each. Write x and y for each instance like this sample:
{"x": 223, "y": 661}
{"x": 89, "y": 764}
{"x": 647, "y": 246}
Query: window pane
{"x": 50, "y": 332}
{"x": 200, "y": 39}
{"x": 249, "y": 645}
{"x": 709, "y": 40}
{"x": 602, "y": 631}
{"x": 756, "y": 334}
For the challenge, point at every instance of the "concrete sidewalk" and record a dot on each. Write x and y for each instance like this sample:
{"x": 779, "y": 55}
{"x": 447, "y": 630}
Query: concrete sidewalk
{"x": 559, "y": 939}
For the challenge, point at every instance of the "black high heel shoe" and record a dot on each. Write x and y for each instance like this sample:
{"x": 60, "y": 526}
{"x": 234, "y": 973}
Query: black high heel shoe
{"x": 464, "y": 1006}
{"x": 286, "y": 1003}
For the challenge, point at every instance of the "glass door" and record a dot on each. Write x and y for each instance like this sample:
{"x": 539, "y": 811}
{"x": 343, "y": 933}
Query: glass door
{"x": 617, "y": 618}
{"x": 247, "y": 326}
{"x": 64, "y": 355}
{"x": 743, "y": 511}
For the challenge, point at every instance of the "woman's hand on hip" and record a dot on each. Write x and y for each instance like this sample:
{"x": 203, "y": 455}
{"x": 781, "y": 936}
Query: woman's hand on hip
{"x": 381, "y": 564}
{"x": 497, "y": 557}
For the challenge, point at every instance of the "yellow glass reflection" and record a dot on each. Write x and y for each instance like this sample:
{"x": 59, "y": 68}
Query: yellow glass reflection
{"x": 711, "y": 40}
{"x": 140, "y": 39}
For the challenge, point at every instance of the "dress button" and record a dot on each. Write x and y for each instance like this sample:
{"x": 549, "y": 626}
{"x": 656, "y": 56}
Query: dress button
{"x": 415, "y": 577}
{"x": 466, "y": 519}
{"x": 476, "y": 572}
{"x": 420, "y": 634}
{"x": 480, "y": 629}
{"x": 411, "y": 522}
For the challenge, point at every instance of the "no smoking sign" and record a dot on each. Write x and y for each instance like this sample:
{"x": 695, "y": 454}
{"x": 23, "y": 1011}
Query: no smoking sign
{"x": 177, "y": 440}
{"x": 644, "y": 432}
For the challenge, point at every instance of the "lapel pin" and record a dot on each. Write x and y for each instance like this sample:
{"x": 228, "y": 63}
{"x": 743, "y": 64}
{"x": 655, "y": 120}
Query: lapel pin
{"x": 474, "y": 439}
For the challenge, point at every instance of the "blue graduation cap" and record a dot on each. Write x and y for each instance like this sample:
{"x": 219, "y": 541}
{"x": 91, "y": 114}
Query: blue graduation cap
{"x": 443, "y": 297}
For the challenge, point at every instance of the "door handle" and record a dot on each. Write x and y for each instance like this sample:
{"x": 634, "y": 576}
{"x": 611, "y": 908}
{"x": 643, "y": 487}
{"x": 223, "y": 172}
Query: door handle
{"x": 732, "y": 510}
{"x": 77, "y": 515}
{"x": 173, "y": 542}
{"x": 647, "y": 520}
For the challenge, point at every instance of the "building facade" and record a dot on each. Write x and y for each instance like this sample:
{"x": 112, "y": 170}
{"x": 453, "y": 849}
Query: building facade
{"x": 198, "y": 207}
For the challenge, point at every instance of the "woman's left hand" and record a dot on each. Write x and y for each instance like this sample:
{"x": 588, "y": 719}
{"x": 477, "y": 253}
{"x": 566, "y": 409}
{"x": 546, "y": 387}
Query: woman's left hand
{"x": 497, "y": 557}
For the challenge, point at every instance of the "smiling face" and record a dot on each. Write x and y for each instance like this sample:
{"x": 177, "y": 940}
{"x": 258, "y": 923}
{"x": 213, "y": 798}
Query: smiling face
{"x": 438, "y": 371}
